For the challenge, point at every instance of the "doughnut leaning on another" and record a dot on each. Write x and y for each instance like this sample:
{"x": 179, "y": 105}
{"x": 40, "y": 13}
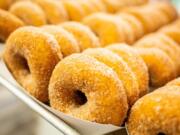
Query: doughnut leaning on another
{"x": 31, "y": 63}
{"x": 87, "y": 89}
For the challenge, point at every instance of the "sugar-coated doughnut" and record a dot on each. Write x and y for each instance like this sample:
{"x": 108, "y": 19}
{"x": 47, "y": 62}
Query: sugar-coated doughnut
{"x": 31, "y": 63}
{"x": 124, "y": 73}
{"x": 66, "y": 40}
{"x": 29, "y": 12}
{"x": 87, "y": 7}
{"x": 98, "y": 5}
{"x": 54, "y": 10}
{"x": 83, "y": 34}
{"x": 74, "y": 10}
{"x": 164, "y": 43}
{"x": 106, "y": 26}
{"x": 161, "y": 67}
{"x": 136, "y": 64}
{"x": 135, "y": 24}
{"x": 87, "y": 89}
{"x": 175, "y": 82}
{"x": 171, "y": 31}
{"x": 8, "y": 23}
{"x": 157, "y": 113}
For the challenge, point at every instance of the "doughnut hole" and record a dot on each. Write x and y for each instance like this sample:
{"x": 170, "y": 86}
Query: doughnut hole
{"x": 80, "y": 97}
{"x": 22, "y": 62}
{"x": 161, "y": 133}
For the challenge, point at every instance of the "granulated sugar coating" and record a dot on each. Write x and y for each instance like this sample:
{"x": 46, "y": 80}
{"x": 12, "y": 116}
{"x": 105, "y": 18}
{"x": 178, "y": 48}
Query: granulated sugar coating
{"x": 135, "y": 62}
{"x": 66, "y": 40}
{"x": 157, "y": 112}
{"x": 124, "y": 72}
{"x": 85, "y": 37}
{"x": 31, "y": 56}
{"x": 87, "y": 89}
{"x": 160, "y": 65}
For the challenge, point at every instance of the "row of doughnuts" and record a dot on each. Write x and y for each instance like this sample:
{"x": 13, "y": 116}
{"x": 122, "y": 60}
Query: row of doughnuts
{"x": 130, "y": 23}
{"x": 126, "y": 27}
{"x": 87, "y": 6}
{"x": 88, "y": 78}
{"x": 169, "y": 45}
{"x": 157, "y": 113}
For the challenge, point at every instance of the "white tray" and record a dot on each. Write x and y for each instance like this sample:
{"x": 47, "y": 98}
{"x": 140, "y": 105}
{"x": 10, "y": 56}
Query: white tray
{"x": 65, "y": 124}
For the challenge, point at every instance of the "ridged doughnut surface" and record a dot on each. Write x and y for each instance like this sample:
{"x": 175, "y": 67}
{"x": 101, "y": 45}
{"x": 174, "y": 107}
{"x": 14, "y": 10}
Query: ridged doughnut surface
{"x": 124, "y": 72}
{"x": 87, "y": 89}
{"x": 31, "y": 63}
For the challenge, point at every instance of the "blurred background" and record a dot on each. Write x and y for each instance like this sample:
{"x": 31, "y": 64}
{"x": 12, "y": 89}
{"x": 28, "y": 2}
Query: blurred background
{"x": 18, "y": 119}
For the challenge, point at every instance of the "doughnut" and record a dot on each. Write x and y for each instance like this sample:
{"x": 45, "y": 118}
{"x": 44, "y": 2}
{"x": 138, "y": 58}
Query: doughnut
{"x": 8, "y": 23}
{"x": 135, "y": 24}
{"x": 167, "y": 8}
{"x": 4, "y": 4}
{"x": 29, "y": 12}
{"x": 175, "y": 82}
{"x": 74, "y": 10}
{"x": 127, "y": 29}
{"x": 87, "y": 7}
{"x": 112, "y": 6}
{"x": 106, "y": 27}
{"x": 86, "y": 38}
{"x": 31, "y": 63}
{"x": 66, "y": 40}
{"x": 164, "y": 43}
{"x": 135, "y": 62}
{"x": 82, "y": 87}
{"x": 98, "y": 5}
{"x": 54, "y": 10}
{"x": 142, "y": 16}
{"x": 124, "y": 73}
{"x": 171, "y": 31}
{"x": 157, "y": 113}
{"x": 161, "y": 67}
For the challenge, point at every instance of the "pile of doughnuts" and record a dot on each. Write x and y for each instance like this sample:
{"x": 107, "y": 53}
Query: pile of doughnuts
{"x": 83, "y": 70}
{"x": 127, "y": 26}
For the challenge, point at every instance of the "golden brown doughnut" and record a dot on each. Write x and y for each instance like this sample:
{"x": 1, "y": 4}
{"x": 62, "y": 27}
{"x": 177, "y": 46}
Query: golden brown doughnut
{"x": 135, "y": 62}
{"x": 87, "y": 89}
{"x": 31, "y": 63}
{"x": 164, "y": 43}
{"x": 66, "y": 40}
{"x": 29, "y": 12}
{"x": 135, "y": 24}
{"x": 172, "y": 31}
{"x": 160, "y": 65}
{"x": 87, "y": 7}
{"x": 98, "y": 5}
{"x": 74, "y": 10}
{"x": 157, "y": 113}
{"x": 124, "y": 73}
{"x": 8, "y": 23}
{"x": 175, "y": 82}
{"x": 106, "y": 26}
{"x": 4, "y": 4}
{"x": 83, "y": 34}
{"x": 54, "y": 10}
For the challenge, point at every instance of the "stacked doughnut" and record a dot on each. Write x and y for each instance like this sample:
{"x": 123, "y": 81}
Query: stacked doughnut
{"x": 164, "y": 47}
{"x": 130, "y": 23}
{"x": 157, "y": 113}
{"x": 41, "y": 12}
